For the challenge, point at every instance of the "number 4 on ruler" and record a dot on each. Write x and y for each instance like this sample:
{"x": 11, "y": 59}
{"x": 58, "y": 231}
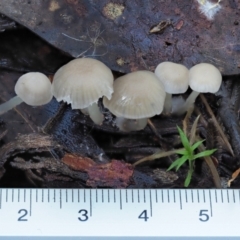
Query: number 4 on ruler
{"x": 143, "y": 215}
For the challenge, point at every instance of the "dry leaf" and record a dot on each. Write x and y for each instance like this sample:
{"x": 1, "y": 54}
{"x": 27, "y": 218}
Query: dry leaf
{"x": 160, "y": 27}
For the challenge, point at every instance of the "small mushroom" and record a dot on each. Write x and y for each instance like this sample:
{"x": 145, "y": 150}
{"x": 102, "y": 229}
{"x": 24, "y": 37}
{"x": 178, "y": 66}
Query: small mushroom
{"x": 33, "y": 88}
{"x": 81, "y": 82}
{"x": 137, "y": 96}
{"x": 175, "y": 80}
{"x": 203, "y": 78}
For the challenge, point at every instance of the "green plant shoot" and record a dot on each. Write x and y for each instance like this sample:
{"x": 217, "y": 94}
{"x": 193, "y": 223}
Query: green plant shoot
{"x": 188, "y": 155}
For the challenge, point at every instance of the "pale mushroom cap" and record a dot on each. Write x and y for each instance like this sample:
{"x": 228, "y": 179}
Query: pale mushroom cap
{"x": 205, "y": 77}
{"x": 173, "y": 76}
{"x": 81, "y": 82}
{"x": 136, "y": 95}
{"x": 34, "y": 88}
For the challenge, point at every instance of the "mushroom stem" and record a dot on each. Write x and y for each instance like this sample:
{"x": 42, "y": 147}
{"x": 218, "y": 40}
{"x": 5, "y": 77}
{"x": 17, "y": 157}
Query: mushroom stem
{"x": 128, "y": 125}
{"x": 94, "y": 113}
{"x": 84, "y": 111}
{"x": 177, "y": 102}
{"x": 10, "y": 104}
{"x": 188, "y": 104}
{"x": 168, "y": 103}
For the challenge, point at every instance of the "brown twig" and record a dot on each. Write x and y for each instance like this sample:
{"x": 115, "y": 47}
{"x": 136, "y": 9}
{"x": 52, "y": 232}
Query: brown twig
{"x": 186, "y": 120}
{"x": 52, "y": 121}
{"x": 210, "y": 164}
{"x": 217, "y": 124}
{"x": 156, "y": 156}
{"x": 3, "y": 134}
{"x": 202, "y": 120}
{"x": 153, "y": 128}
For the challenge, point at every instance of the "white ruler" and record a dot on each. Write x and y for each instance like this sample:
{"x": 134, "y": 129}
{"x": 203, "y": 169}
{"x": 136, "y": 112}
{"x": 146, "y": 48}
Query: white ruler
{"x": 111, "y": 213}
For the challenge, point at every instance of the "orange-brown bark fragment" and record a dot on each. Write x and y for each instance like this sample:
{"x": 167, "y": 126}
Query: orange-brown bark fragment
{"x": 115, "y": 174}
{"x": 78, "y": 163}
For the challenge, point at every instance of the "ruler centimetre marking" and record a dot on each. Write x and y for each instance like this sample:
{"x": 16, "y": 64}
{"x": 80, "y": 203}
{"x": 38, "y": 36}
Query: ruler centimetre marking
{"x": 150, "y": 195}
{"x": 0, "y": 198}
{"x": 126, "y": 194}
{"x": 90, "y": 203}
{"x": 96, "y": 196}
{"x": 99, "y": 209}
{"x": 12, "y": 195}
{"x": 24, "y": 196}
{"x": 6, "y": 195}
{"x": 30, "y": 207}
{"x": 60, "y": 198}
{"x": 180, "y": 197}
{"x": 210, "y": 198}
{"x": 120, "y": 199}
{"x": 54, "y": 196}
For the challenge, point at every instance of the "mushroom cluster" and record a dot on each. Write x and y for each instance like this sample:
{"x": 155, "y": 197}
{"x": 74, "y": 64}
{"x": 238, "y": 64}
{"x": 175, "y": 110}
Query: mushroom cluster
{"x": 132, "y": 98}
{"x": 202, "y": 78}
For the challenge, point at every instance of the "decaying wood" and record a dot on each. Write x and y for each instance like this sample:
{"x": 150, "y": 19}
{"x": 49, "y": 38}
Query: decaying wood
{"x": 26, "y": 143}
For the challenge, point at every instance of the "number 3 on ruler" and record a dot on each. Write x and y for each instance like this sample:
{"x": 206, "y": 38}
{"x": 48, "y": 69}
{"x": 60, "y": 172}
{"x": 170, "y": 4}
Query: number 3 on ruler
{"x": 203, "y": 216}
{"x": 84, "y": 215}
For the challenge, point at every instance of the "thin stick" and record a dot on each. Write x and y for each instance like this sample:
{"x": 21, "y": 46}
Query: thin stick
{"x": 3, "y": 134}
{"x": 52, "y": 121}
{"x": 202, "y": 119}
{"x": 157, "y": 155}
{"x": 186, "y": 120}
{"x": 153, "y": 128}
{"x": 193, "y": 131}
{"x": 151, "y": 125}
{"x": 210, "y": 164}
{"x": 217, "y": 124}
